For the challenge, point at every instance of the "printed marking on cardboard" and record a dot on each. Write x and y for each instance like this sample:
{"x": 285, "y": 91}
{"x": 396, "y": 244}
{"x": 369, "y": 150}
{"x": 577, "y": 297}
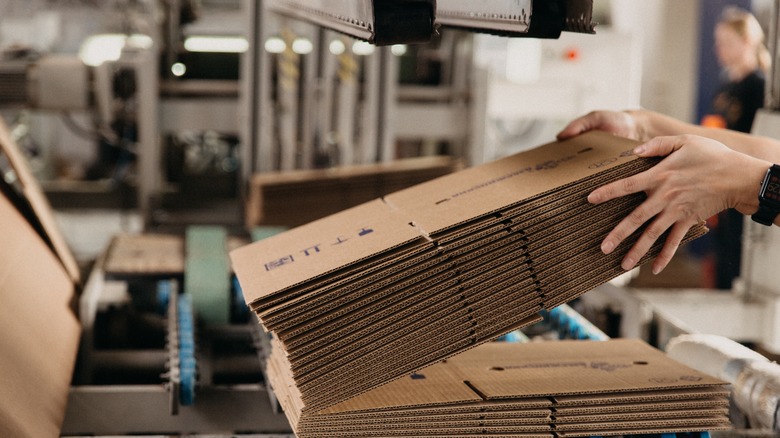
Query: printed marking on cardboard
{"x": 314, "y": 249}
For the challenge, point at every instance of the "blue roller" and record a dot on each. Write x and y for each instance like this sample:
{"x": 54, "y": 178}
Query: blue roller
{"x": 572, "y": 325}
{"x": 164, "y": 288}
{"x": 187, "y": 362}
{"x": 515, "y": 337}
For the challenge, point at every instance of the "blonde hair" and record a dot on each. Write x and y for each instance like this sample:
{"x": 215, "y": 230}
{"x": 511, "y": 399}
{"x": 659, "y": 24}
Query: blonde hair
{"x": 747, "y": 26}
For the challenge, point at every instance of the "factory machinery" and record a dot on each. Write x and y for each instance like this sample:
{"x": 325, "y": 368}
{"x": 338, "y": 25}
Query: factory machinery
{"x": 168, "y": 345}
{"x": 166, "y": 337}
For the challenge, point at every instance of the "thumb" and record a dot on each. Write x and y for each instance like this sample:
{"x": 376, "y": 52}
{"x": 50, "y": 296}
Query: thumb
{"x": 577, "y": 127}
{"x": 659, "y": 146}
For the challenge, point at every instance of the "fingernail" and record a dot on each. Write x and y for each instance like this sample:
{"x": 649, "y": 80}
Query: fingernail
{"x": 657, "y": 270}
{"x": 628, "y": 264}
{"x": 607, "y": 247}
{"x": 639, "y": 150}
{"x": 594, "y": 198}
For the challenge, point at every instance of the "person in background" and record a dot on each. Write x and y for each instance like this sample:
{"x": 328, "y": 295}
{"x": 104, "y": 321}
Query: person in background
{"x": 745, "y": 60}
{"x": 699, "y": 177}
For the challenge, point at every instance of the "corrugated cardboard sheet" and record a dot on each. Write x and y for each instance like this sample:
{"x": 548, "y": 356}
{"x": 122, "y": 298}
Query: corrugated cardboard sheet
{"x": 293, "y": 198}
{"x": 366, "y": 296}
{"x": 624, "y": 385}
{"x": 39, "y": 331}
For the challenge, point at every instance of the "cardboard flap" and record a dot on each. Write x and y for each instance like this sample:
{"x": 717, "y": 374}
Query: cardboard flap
{"x": 416, "y": 390}
{"x": 32, "y": 191}
{"x": 318, "y": 248}
{"x": 39, "y": 333}
{"x": 575, "y": 367}
{"x": 452, "y": 199}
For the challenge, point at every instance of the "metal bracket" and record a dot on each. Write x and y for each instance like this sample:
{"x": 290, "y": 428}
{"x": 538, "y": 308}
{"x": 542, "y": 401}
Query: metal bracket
{"x": 380, "y": 22}
{"x": 518, "y": 18}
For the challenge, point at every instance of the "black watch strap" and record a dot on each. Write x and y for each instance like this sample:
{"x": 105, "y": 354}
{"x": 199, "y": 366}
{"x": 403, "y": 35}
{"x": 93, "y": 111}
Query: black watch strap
{"x": 765, "y": 215}
{"x": 769, "y": 197}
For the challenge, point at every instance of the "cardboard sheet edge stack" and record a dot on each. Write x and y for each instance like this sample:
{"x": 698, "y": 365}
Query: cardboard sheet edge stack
{"x": 571, "y": 388}
{"x": 524, "y": 217}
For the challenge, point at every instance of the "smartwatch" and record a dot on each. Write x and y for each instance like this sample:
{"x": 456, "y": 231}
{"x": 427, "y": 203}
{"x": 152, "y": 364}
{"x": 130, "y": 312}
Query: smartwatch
{"x": 769, "y": 197}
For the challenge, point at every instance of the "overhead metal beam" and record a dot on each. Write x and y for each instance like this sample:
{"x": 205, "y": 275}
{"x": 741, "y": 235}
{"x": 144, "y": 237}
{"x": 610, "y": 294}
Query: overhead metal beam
{"x": 518, "y": 18}
{"x": 380, "y": 22}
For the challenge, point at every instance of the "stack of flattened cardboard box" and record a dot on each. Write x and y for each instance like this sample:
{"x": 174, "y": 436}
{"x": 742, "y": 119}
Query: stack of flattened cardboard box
{"x": 296, "y": 197}
{"x": 570, "y": 388}
{"x": 373, "y": 293}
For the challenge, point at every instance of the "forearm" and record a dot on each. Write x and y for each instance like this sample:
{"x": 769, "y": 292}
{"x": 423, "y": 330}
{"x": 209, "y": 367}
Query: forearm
{"x": 652, "y": 124}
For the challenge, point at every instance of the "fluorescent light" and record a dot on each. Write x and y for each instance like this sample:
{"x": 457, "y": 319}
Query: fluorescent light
{"x": 178, "y": 69}
{"x": 98, "y": 49}
{"x": 216, "y": 44}
{"x": 275, "y": 45}
{"x": 302, "y": 46}
{"x": 362, "y": 48}
{"x": 398, "y": 49}
{"x": 337, "y": 47}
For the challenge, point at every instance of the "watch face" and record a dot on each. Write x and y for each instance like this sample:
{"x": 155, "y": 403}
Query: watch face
{"x": 771, "y": 189}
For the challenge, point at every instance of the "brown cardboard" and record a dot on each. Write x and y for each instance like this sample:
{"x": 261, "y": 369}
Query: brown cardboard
{"x": 31, "y": 190}
{"x": 478, "y": 191}
{"x": 360, "y": 318}
{"x": 438, "y": 315}
{"x": 666, "y": 414}
{"x": 395, "y": 325}
{"x": 376, "y": 320}
{"x": 293, "y": 198}
{"x": 674, "y": 395}
{"x": 421, "y": 205}
{"x": 450, "y": 301}
{"x": 396, "y": 291}
{"x": 545, "y": 369}
{"x": 571, "y": 197}
{"x": 450, "y": 344}
{"x": 314, "y": 295}
{"x": 40, "y": 332}
{"x": 614, "y": 370}
{"x": 388, "y": 263}
{"x": 356, "y": 309}
{"x": 145, "y": 255}
{"x": 346, "y": 300}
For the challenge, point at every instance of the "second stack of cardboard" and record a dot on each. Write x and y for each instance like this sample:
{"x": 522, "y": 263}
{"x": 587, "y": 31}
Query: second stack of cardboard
{"x": 373, "y": 293}
{"x": 569, "y": 388}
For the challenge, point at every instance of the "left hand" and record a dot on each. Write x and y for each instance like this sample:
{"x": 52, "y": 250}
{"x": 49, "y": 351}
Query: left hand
{"x": 698, "y": 178}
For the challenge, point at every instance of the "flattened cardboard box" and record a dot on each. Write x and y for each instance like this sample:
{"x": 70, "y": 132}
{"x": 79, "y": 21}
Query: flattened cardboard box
{"x": 479, "y": 213}
{"x": 365, "y": 355}
{"x": 675, "y": 396}
{"x": 318, "y": 193}
{"x": 274, "y": 265}
{"x": 39, "y": 331}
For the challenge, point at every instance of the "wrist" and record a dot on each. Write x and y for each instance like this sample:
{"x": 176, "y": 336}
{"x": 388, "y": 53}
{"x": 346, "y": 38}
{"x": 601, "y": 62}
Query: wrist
{"x": 642, "y": 122}
{"x": 769, "y": 197}
{"x": 748, "y": 193}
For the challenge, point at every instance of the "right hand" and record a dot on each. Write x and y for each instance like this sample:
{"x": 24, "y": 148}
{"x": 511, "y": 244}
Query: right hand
{"x": 698, "y": 178}
{"x": 621, "y": 123}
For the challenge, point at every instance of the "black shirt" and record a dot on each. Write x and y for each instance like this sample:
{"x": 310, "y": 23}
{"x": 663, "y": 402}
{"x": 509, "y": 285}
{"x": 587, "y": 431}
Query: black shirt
{"x": 737, "y": 102}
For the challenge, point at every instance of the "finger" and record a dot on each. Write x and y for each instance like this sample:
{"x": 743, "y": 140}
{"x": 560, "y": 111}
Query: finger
{"x": 654, "y": 231}
{"x": 638, "y": 217}
{"x": 578, "y": 126}
{"x": 673, "y": 241}
{"x": 622, "y": 187}
{"x": 660, "y": 146}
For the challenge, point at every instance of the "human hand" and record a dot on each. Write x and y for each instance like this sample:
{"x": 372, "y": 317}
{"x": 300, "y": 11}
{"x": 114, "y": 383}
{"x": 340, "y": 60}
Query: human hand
{"x": 623, "y": 124}
{"x": 698, "y": 178}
